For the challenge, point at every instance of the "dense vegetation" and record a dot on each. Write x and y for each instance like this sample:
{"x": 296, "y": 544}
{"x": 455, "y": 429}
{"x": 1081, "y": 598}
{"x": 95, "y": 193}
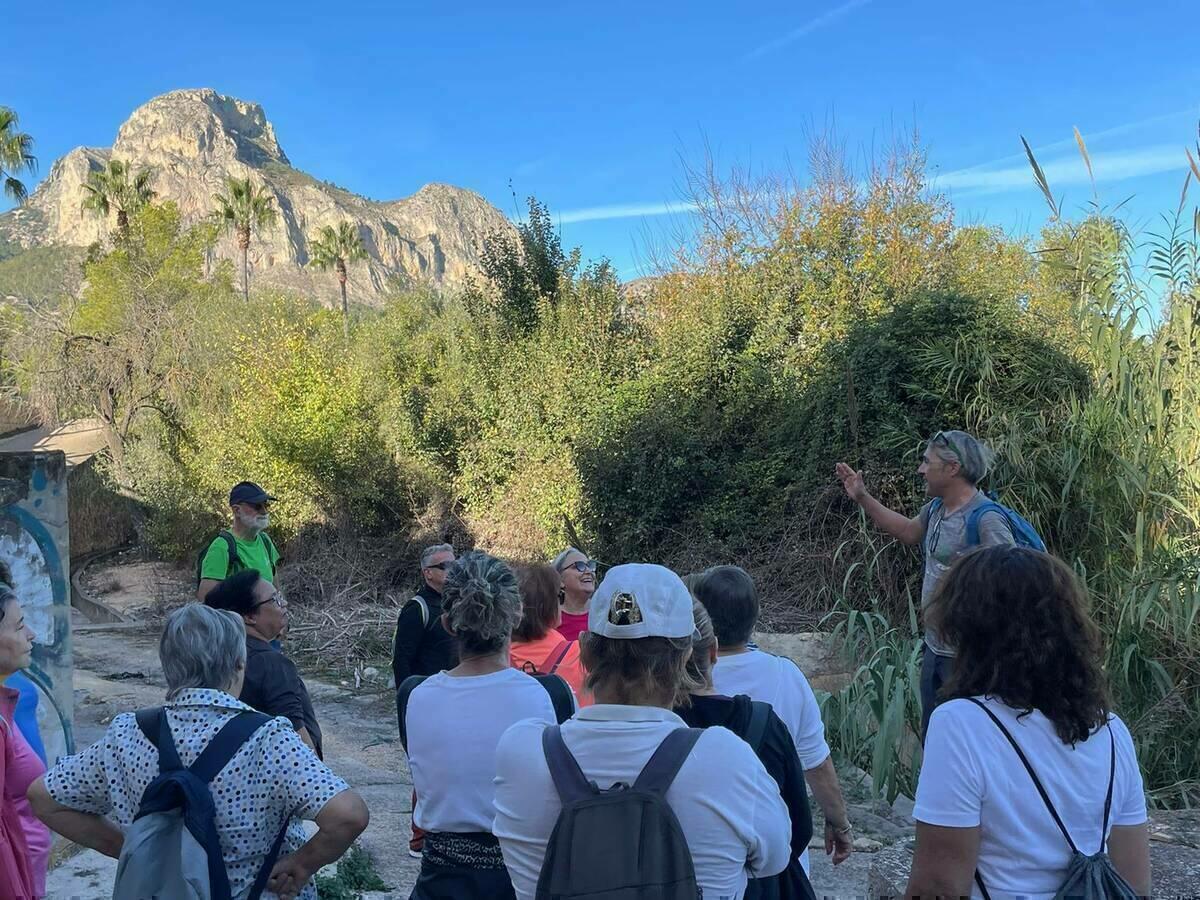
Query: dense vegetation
{"x": 694, "y": 421}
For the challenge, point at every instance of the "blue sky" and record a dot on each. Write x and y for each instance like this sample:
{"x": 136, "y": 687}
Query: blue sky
{"x": 593, "y": 107}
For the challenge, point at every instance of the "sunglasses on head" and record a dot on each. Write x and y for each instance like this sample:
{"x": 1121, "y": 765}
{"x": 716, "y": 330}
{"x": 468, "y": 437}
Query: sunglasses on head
{"x": 581, "y": 566}
{"x": 942, "y": 438}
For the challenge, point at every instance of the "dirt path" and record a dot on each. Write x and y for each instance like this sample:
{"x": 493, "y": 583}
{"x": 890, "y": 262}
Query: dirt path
{"x": 118, "y": 671}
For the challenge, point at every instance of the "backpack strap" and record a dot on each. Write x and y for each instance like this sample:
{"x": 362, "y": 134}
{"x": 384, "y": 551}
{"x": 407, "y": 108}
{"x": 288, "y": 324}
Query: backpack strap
{"x": 561, "y": 651}
{"x": 229, "y": 740}
{"x": 264, "y": 873}
{"x": 231, "y": 546}
{"x": 658, "y": 773}
{"x": 402, "y": 695}
{"x": 153, "y": 724}
{"x": 560, "y": 695}
{"x": 272, "y": 552}
{"x": 1033, "y": 775}
{"x": 424, "y": 607}
{"x": 1112, "y": 774}
{"x": 976, "y": 516}
{"x": 756, "y": 730}
{"x": 570, "y": 782}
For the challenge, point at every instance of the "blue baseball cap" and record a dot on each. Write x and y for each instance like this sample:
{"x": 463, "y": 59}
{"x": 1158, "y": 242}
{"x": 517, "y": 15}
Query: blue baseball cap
{"x": 248, "y": 492}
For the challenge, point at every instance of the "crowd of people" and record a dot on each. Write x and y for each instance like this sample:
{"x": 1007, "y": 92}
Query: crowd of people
{"x": 622, "y": 736}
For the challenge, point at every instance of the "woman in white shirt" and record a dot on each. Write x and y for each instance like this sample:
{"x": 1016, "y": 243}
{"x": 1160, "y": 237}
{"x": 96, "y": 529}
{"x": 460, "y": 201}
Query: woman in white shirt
{"x": 635, "y": 652}
{"x": 453, "y": 723}
{"x": 1028, "y": 673}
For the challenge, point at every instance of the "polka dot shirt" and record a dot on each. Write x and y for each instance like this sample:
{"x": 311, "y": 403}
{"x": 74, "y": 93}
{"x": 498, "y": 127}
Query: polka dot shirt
{"x": 272, "y": 777}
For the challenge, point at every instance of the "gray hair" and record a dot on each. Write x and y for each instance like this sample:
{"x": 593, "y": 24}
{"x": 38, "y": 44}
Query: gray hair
{"x": 201, "y": 647}
{"x": 429, "y": 553}
{"x": 482, "y": 602}
{"x": 562, "y": 557}
{"x": 974, "y": 457}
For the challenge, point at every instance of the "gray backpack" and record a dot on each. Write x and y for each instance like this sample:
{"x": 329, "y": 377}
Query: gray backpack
{"x": 1088, "y": 877}
{"x": 172, "y": 850}
{"x": 624, "y": 843}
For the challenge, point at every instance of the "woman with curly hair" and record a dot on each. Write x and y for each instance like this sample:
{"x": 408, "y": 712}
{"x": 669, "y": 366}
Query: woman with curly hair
{"x": 452, "y": 723}
{"x": 1026, "y": 771}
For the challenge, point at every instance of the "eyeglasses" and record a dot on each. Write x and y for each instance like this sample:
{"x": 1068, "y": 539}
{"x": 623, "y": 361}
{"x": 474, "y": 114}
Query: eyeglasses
{"x": 581, "y": 566}
{"x": 276, "y": 598}
{"x": 443, "y": 566}
{"x": 258, "y": 507}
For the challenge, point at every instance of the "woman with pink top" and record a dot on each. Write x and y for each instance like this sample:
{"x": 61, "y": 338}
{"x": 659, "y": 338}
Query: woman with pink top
{"x": 578, "y": 574}
{"x": 19, "y": 766}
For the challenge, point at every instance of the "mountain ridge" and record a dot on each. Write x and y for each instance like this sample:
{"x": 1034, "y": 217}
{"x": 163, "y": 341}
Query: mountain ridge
{"x": 195, "y": 138}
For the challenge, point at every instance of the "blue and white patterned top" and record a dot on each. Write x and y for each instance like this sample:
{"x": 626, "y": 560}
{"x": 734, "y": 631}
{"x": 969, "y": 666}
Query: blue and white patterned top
{"x": 273, "y": 775}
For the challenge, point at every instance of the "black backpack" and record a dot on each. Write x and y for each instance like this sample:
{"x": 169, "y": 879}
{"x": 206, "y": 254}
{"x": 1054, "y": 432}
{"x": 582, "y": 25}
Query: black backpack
{"x": 560, "y": 698}
{"x": 235, "y": 564}
{"x": 624, "y": 843}
{"x": 1088, "y": 877}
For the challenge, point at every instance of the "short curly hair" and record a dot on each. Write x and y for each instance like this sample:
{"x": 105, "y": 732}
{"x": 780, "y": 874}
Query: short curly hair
{"x": 481, "y": 602}
{"x": 1019, "y": 621}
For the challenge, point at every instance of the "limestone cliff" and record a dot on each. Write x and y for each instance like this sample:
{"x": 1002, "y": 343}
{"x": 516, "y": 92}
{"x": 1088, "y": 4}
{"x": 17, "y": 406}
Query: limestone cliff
{"x": 194, "y": 139}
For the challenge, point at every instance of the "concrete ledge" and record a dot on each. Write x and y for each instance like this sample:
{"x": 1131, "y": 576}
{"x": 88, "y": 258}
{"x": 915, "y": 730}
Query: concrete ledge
{"x": 1175, "y": 870}
{"x": 94, "y": 610}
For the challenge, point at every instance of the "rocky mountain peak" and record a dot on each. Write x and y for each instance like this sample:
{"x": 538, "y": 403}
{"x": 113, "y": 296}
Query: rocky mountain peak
{"x": 199, "y": 125}
{"x": 195, "y": 140}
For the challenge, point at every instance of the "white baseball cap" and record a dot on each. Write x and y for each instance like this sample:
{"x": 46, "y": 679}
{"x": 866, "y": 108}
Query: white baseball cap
{"x": 638, "y": 600}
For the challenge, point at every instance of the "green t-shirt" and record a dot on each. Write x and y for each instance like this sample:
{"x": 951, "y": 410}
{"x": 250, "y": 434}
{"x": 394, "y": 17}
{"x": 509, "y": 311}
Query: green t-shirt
{"x": 259, "y": 554}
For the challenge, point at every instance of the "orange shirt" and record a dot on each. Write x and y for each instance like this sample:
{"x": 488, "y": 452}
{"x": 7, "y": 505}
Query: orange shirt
{"x": 538, "y": 657}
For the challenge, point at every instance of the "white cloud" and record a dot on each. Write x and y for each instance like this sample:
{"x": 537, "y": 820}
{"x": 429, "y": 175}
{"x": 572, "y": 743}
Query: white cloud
{"x": 1067, "y": 170}
{"x": 623, "y": 211}
{"x": 806, "y": 29}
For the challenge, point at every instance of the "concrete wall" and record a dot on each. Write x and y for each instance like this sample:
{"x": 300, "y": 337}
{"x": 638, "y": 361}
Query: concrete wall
{"x": 35, "y": 544}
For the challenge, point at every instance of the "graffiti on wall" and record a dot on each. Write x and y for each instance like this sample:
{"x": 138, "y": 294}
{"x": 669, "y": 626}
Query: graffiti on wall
{"x": 34, "y": 546}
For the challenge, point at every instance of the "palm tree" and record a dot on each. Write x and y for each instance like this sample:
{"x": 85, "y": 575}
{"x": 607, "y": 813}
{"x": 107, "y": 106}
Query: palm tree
{"x": 332, "y": 248}
{"x": 245, "y": 207}
{"x": 118, "y": 187}
{"x": 15, "y": 155}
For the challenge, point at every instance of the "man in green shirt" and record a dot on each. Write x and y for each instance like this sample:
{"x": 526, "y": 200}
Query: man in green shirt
{"x": 252, "y": 547}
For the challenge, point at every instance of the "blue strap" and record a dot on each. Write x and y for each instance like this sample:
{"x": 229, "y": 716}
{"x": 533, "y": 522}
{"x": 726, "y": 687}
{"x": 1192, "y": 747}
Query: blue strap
{"x": 229, "y": 740}
{"x": 977, "y": 514}
{"x": 569, "y": 780}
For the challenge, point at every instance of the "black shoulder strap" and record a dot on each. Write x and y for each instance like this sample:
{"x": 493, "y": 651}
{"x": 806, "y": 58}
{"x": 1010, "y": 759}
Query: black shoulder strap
{"x": 153, "y": 724}
{"x": 231, "y": 546}
{"x": 760, "y": 715}
{"x": 560, "y": 696}
{"x": 569, "y": 779}
{"x": 271, "y": 551}
{"x": 658, "y": 773}
{"x": 264, "y": 873}
{"x": 229, "y": 740}
{"x": 1112, "y": 774}
{"x": 1028, "y": 768}
{"x": 402, "y": 693}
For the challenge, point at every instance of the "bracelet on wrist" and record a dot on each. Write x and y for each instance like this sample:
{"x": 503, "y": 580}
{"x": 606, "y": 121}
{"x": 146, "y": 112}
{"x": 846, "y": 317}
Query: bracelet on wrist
{"x": 846, "y": 830}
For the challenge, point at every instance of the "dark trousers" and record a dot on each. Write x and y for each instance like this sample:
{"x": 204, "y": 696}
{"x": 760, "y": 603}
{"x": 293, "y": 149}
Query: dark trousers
{"x": 417, "y": 841}
{"x": 934, "y": 672}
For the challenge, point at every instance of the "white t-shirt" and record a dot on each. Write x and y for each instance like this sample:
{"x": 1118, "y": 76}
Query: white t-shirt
{"x": 971, "y": 776}
{"x": 777, "y": 680}
{"x": 454, "y": 724}
{"x": 728, "y": 806}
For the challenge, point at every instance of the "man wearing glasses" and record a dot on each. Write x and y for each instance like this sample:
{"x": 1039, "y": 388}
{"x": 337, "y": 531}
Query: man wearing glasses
{"x": 272, "y": 684}
{"x": 244, "y": 546}
{"x": 952, "y": 465}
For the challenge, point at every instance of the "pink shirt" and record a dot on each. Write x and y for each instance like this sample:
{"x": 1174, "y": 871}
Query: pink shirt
{"x": 24, "y": 768}
{"x": 16, "y": 882}
{"x": 573, "y": 625}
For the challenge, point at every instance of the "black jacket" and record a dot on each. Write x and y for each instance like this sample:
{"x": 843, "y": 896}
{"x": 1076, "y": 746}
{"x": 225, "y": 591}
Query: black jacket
{"x": 273, "y": 686}
{"x": 419, "y": 647}
{"x": 778, "y": 755}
